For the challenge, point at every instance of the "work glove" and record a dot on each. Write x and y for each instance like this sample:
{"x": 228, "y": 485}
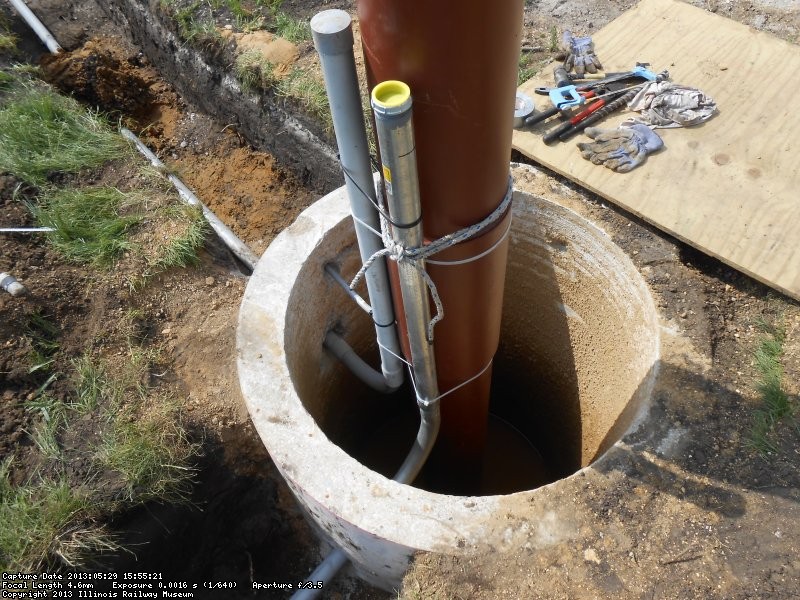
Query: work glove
{"x": 620, "y": 149}
{"x": 580, "y": 54}
{"x": 663, "y": 104}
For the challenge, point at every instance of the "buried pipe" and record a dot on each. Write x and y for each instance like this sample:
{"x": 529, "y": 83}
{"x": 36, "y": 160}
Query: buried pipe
{"x": 10, "y": 284}
{"x": 333, "y": 39}
{"x": 38, "y": 27}
{"x": 230, "y": 239}
{"x": 462, "y": 66}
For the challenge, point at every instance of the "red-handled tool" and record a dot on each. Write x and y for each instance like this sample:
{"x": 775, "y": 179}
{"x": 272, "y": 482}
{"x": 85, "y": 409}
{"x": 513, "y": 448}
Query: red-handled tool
{"x": 552, "y": 136}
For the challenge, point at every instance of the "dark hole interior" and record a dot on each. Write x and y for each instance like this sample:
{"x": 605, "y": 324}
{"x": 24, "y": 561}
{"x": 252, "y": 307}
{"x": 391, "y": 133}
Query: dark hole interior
{"x": 531, "y": 442}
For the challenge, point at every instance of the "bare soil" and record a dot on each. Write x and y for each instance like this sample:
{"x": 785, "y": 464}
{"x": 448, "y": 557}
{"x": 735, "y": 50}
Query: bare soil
{"x": 686, "y": 510}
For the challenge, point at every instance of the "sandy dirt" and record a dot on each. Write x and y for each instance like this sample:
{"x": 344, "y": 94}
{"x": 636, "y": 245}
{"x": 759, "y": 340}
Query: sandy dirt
{"x": 687, "y": 511}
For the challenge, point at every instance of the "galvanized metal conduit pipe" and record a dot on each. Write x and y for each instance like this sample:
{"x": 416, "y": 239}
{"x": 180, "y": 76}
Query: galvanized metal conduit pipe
{"x": 38, "y": 27}
{"x": 391, "y": 102}
{"x": 230, "y": 239}
{"x": 333, "y": 39}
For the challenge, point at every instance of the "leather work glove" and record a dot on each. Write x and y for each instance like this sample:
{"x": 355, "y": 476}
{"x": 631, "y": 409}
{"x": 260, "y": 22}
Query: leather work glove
{"x": 580, "y": 54}
{"x": 620, "y": 149}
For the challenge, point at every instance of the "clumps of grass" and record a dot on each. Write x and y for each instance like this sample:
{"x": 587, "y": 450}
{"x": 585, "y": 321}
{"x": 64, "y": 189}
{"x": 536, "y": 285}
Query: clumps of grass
{"x": 8, "y": 42}
{"x": 45, "y": 522}
{"x": 301, "y": 85}
{"x": 43, "y": 335}
{"x": 91, "y": 383}
{"x": 775, "y": 402}
{"x": 52, "y": 417}
{"x": 254, "y": 71}
{"x": 49, "y": 521}
{"x": 202, "y": 33}
{"x": 112, "y": 387}
{"x": 103, "y": 225}
{"x": 181, "y": 251}
{"x": 42, "y": 132}
{"x": 150, "y": 453}
{"x": 90, "y": 224}
{"x": 526, "y": 68}
{"x": 554, "y": 41}
{"x": 6, "y": 80}
{"x": 294, "y": 30}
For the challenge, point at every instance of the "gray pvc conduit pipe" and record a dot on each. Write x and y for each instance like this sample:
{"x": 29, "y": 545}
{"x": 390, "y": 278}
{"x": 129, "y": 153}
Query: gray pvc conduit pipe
{"x": 237, "y": 246}
{"x": 336, "y": 345}
{"x": 333, "y": 39}
{"x": 38, "y": 27}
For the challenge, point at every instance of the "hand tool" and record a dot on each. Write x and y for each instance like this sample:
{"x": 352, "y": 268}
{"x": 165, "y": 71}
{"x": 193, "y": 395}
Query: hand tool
{"x": 599, "y": 114}
{"x": 598, "y": 102}
{"x": 572, "y": 95}
{"x": 538, "y": 117}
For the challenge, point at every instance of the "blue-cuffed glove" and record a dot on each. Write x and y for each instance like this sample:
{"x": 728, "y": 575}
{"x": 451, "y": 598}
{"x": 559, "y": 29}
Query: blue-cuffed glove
{"x": 580, "y": 54}
{"x": 620, "y": 149}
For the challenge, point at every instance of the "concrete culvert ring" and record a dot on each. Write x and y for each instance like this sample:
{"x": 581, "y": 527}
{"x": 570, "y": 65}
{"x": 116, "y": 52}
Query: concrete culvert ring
{"x": 577, "y": 361}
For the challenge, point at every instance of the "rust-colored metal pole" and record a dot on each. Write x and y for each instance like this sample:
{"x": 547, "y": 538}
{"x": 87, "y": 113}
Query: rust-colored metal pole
{"x": 460, "y": 60}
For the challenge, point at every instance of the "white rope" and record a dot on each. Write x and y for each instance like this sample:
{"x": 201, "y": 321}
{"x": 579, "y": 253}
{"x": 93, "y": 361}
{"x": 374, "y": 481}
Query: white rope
{"x": 417, "y": 256}
{"x": 363, "y": 224}
{"x": 453, "y": 263}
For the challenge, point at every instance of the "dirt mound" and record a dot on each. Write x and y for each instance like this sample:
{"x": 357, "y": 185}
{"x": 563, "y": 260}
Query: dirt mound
{"x": 280, "y": 53}
{"x": 122, "y": 84}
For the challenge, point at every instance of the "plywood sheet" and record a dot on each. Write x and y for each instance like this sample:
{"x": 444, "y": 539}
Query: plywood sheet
{"x": 730, "y": 187}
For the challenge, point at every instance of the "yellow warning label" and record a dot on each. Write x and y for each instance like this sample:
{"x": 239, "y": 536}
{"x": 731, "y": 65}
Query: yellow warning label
{"x": 387, "y": 174}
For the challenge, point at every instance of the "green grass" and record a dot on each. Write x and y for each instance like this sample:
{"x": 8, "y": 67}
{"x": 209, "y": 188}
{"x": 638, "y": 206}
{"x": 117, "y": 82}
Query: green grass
{"x": 90, "y": 224}
{"x": 555, "y": 46}
{"x": 775, "y": 404}
{"x": 53, "y": 521}
{"x": 8, "y": 42}
{"x": 254, "y": 71}
{"x": 294, "y": 30}
{"x": 526, "y": 68}
{"x": 249, "y": 22}
{"x": 42, "y": 132}
{"x": 202, "y": 33}
{"x": 40, "y": 522}
{"x": 181, "y": 251}
{"x": 51, "y": 420}
{"x": 43, "y": 335}
{"x": 91, "y": 384}
{"x": 151, "y": 455}
{"x": 6, "y": 80}
{"x": 303, "y": 86}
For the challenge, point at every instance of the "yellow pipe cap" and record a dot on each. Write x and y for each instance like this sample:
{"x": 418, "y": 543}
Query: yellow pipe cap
{"x": 390, "y": 94}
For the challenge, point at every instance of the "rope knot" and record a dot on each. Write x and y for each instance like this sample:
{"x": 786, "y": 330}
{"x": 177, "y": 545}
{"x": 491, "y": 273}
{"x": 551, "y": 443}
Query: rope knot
{"x": 416, "y": 256}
